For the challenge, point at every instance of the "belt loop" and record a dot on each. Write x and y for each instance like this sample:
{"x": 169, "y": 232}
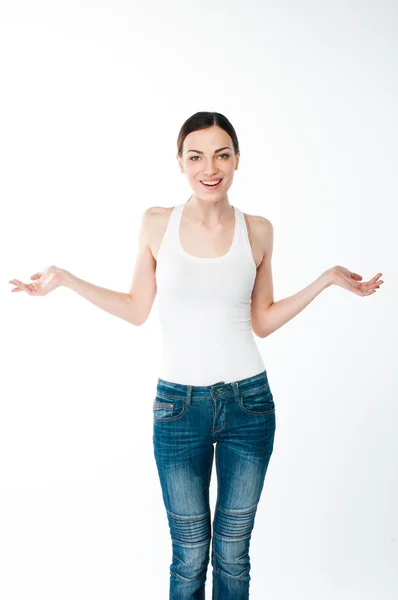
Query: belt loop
{"x": 235, "y": 387}
{"x": 189, "y": 395}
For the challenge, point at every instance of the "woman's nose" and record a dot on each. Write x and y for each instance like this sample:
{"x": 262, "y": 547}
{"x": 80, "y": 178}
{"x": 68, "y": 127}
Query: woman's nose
{"x": 209, "y": 170}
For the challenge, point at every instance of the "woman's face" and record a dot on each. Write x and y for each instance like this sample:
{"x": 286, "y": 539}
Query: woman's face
{"x": 209, "y": 154}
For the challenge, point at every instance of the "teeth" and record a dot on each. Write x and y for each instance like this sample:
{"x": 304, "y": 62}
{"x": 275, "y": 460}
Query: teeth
{"x": 211, "y": 182}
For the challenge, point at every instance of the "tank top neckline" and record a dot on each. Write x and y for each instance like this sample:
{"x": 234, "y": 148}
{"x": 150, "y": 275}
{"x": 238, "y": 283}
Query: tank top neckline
{"x": 206, "y": 258}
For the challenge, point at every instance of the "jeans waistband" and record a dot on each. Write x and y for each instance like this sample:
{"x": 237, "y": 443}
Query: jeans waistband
{"x": 232, "y": 388}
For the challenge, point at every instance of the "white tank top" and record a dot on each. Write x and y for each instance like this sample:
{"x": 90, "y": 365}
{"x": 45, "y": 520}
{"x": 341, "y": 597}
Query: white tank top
{"x": 204, "y": 307}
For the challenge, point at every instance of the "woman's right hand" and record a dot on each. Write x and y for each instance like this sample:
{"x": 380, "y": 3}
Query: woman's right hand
{"x": 45, "y": 281}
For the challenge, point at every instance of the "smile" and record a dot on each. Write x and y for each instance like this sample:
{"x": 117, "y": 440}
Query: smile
{"x": 209, "y": 184}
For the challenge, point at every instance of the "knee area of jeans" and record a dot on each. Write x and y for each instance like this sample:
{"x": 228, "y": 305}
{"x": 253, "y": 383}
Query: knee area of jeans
{"x": 190, "y": 531}
{"x": 234, "y": 524}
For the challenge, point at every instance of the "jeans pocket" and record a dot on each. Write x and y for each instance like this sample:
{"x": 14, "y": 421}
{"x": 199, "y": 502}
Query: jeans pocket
{"x": 166, "y": 409}
{"x": 258, "y": 401}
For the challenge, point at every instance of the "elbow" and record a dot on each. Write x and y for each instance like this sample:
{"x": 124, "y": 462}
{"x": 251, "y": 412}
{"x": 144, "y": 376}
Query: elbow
{"x": 140, "y": 308}
{"x": 260, "y": 322}
{"x": 138, "y": 322}
{"x": 258, "y": 331}
{"x": 137, "y": 317}
{"x": 262, "y": 334}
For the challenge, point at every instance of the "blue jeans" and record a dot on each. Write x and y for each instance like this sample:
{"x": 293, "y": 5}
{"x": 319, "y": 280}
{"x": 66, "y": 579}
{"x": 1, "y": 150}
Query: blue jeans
{"x": 239, "y": 417}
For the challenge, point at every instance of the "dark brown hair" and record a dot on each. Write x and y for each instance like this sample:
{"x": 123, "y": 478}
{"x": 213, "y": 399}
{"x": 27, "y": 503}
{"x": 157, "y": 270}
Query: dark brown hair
{"x": 203, "y": 120}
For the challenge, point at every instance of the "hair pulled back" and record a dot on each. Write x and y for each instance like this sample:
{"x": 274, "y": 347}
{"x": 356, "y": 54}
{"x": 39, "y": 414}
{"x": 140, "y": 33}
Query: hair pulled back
{"x": 204, "y": 120}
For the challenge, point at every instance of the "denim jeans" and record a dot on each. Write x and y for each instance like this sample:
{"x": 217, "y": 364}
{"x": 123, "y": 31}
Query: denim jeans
{"x": 239, "y": 418}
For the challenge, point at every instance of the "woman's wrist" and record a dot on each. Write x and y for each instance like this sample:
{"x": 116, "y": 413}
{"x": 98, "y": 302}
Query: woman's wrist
{"x": 65, "y": 278}
{"x": 327, "y": 277}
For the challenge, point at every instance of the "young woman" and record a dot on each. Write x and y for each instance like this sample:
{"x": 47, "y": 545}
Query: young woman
{"x": 210, "y": 265}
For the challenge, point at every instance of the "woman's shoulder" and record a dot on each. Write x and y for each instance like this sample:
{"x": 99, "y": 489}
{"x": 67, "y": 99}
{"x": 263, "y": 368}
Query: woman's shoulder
{"x": 156, "y": 223}
{"x": 258, "y": 226}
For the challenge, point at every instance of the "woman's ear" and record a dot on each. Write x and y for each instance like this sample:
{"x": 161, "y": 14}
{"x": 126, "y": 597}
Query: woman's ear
{"x": 179, "y": 159}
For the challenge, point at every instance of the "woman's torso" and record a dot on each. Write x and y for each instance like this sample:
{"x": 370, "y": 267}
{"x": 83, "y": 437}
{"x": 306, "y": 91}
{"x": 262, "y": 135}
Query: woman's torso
{"x": 189, "y": 242}
{"x": 204, "y": 285}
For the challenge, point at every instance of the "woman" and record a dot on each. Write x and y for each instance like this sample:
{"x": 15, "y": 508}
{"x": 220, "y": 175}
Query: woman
{"x": 210, "y": 265}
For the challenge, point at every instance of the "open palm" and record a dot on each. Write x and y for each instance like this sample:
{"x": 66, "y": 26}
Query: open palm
{"x": 45, "y": 281}
{"x": 352, "y": 281}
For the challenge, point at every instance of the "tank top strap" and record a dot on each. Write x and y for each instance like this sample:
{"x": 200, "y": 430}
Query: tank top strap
{"x": 243, "y": 240}
{"x": 240, "y": 224}
{"x": 241, "y": 230}
{"x": 170, "y": 236}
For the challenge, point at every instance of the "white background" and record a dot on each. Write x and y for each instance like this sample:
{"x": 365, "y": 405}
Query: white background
{"x": 93, "y": 96}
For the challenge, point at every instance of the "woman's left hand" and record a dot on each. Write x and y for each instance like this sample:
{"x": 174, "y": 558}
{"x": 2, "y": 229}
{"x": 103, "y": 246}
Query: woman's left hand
{"x": 352, "y": 281}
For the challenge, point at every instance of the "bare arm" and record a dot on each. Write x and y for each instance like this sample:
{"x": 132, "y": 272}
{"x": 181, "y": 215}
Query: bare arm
{"x": 134, "y": 306}
{"x": 280, "y": 312}
{"x": 119, "y": 304}
{"x": 268, "y": 315}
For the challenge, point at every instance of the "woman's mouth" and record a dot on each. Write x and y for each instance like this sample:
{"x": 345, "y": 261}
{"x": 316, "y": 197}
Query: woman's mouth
{"x": 210, "y": 185}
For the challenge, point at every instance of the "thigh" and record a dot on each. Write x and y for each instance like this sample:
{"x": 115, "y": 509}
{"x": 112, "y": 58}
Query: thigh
{"x": 184, "y": 456}
{"x": 243, "y": 453}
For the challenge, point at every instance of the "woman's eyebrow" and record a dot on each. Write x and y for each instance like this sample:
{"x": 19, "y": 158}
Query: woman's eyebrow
{"x": 215, "y": 151}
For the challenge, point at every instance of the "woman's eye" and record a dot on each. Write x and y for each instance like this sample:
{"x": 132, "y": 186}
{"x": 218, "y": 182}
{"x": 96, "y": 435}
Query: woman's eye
{"x": 193, "y": 157}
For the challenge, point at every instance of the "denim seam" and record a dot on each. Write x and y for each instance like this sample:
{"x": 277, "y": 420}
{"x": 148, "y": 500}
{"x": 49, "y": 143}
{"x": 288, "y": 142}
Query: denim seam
{"x": 229, "y": 538}
{"x": 244, "y": 574}
{"x": 188, "y": 517}
{"x": 170, "y": 396}
{"x": 162, "y": 404}
{"x": 191, "y": 544}
{"x": 234, "y": 511}
{"x": 172, "y": 418}
{"x": 225, "y": 560}
{"x": 251, "y": 391}
{"x": 254, "y": 412}
{"x": 185, "y": 579}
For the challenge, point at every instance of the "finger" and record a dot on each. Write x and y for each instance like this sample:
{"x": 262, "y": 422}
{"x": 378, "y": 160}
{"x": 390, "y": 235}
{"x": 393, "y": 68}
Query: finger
{"x": 16, "y": 282}
{"x": 18, "y": 288}
{"x": 356, "y": 276}
{"x": 373, "y": 280}
{"x": 36, "y": 275}
{"x": 371, "y": 283}
{"x": 376, "y": 284}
